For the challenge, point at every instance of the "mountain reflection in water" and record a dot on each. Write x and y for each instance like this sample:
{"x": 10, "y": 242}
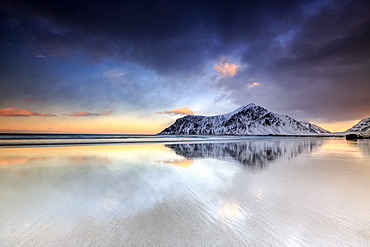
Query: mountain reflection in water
{"x": 257, "y": 154}
{"x": 195, "y": 194}
{"x": 364, "y": 146}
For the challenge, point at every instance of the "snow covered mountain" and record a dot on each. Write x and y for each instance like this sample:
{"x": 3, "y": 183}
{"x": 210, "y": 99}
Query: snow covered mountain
{"x": 246, "y": 120}
{"x": 362, "y": 126}
{"x": 253, "y": 154}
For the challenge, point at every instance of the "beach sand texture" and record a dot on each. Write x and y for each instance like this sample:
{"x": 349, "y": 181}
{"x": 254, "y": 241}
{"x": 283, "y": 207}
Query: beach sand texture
{"x": 261, "y": 192}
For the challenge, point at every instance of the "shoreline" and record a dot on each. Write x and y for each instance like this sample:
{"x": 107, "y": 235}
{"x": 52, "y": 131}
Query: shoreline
{"x": 154, "y": 139}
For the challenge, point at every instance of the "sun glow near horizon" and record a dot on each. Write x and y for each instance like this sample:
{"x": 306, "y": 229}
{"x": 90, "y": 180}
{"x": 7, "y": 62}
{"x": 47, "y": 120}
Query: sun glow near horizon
{"x": 112, "y": 125}
{"x": 88, "y": 125}
{"x": 340, "y": 126}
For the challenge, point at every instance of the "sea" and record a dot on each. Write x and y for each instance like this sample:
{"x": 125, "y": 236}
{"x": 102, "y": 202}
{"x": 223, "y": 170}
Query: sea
{"x": 81, "y": 139}
{"x": 160, "y": 190}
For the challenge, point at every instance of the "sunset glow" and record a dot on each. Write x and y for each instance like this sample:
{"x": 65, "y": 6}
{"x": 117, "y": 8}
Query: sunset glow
{"x": 93, "y": 125}
{"x": 225, "y": 68}
{"x": 178, "y": 111}
{"x": 120, "y": 68}
{"x": 9, "y": 112}
{"x": 180, "y": 163}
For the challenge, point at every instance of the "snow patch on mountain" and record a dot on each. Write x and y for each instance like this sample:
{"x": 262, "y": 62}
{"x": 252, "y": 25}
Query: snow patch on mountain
{"x": 362, "y": 126}
{"x": 249, "y": 119}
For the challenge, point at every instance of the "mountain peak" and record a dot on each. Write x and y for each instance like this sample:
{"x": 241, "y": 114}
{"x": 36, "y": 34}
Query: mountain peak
{"x": 362, "y": 126}
{"x": 244, "y": 108}
{"x": 250, "y": 105}
{"x": 248, "y": 119}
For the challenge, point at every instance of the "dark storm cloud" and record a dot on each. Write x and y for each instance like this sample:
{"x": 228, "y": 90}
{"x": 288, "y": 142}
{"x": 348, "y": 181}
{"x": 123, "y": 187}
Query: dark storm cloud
{"x": 308, "y": 57}
{"x": 329, "y": 62}
{"x": 167, "y": 36}
{"x": 318, "y": 69}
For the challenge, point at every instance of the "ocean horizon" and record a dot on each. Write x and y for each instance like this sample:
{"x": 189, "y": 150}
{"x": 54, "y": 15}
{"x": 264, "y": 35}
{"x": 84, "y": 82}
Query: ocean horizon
{"x": 26, "y": 139}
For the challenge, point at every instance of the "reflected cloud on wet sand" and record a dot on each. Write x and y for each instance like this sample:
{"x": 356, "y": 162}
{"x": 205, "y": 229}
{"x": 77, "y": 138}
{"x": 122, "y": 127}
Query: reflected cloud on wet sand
{"x": 187, "y": 194}
{"x": 181, "y": 163}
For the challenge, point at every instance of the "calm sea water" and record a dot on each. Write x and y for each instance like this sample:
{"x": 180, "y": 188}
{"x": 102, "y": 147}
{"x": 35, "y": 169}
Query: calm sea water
{"x": 184, "y": 191}
{"x": 72, "y": 139}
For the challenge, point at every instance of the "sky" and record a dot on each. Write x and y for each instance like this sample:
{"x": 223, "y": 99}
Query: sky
{"x": 136, "y": 66}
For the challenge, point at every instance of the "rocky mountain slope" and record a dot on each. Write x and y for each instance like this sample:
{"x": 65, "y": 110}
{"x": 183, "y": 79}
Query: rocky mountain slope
{"x": 246, "y": 120}
{"x": 362, "y": 126}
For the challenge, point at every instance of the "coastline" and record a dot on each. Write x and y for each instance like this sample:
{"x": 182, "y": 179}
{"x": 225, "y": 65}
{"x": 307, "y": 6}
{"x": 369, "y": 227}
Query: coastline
{"x": 19, "y": 140}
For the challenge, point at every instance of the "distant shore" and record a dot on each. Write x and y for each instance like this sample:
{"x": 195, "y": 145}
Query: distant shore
{"x": 17, "y": 140}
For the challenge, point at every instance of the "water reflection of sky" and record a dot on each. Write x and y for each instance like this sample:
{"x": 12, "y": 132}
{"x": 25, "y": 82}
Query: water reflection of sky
{"x": 186, "y": 194}
{"x": 256, "y": 154}
{"x": 349, "y": 148}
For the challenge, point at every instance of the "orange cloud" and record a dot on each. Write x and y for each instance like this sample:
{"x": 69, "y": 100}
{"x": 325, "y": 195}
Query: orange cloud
{"x": 224, "y": 68}
{"x": 253, "y": 84}
{"x": 10, "y": 112}
{"x": 88, "y": 114}
{"x": 178, "y": 111}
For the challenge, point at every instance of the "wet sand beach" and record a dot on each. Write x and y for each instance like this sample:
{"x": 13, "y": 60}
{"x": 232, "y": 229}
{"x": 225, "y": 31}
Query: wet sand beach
{"x": 270, "y": 191}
